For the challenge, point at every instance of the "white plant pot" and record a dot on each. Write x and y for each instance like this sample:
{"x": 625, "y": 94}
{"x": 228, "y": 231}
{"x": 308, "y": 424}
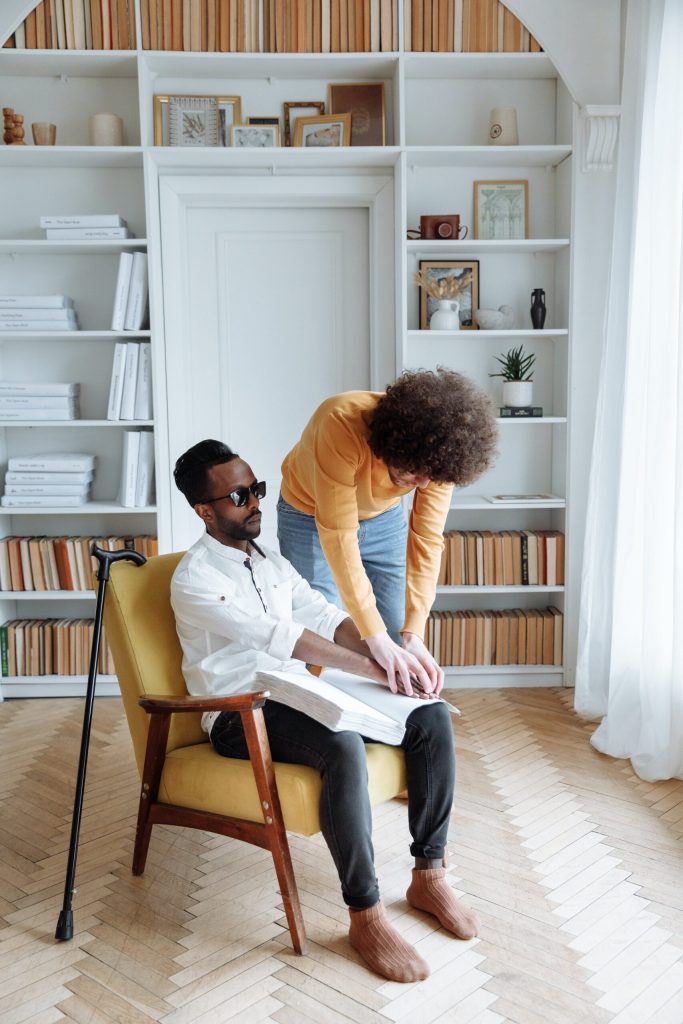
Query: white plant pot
{"x": 517, "y": 392}
{"x": 446, "y": 317}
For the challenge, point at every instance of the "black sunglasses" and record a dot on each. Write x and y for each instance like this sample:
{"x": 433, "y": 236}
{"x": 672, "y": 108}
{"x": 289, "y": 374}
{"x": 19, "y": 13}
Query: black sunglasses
{"x": 240, "y": 496}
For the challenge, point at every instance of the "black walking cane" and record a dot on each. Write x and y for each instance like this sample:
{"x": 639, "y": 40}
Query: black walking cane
{"x": 65, "y": 924}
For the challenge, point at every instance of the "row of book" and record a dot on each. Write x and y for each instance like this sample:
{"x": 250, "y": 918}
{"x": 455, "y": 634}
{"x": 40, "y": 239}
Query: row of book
{"x": 37, "y": 313}
{"x": 270, "y": 26}
{"x": 77, "y": 25}
{"x": 137, "y": 469}
{"x": 52, "y": 479}
{"x": 46, "y": 647}
{"x": 64, "y": 560}
{"x": 89, "y": 226}
{"x": 130, "y": 389}
{"x": 130, "y": 312}
{"x": 275, "y": 26}
{"x": 515, "y": 636}
{"x": 484, "y": 558}
{"x": 465, "y": 26}
{"x": 49, "y": 400}
{"x": 60, "y": 563}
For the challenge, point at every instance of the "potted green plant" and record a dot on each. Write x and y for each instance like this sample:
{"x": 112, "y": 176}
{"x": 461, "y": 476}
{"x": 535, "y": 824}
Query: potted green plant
{"x": 517, "y": 374}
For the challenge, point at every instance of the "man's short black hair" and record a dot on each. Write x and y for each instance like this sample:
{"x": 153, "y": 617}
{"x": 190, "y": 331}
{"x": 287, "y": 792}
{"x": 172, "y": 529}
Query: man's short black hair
{"x": 190, "y": 469}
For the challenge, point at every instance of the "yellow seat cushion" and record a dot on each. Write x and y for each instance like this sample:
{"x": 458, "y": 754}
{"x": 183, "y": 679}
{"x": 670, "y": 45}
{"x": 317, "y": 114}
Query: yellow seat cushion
{"x": 199, "y": 778}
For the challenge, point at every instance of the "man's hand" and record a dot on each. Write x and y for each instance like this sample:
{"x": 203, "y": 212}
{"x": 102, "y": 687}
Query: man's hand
{"x": 399, "y": 665}
{"x": 415, "y": 646}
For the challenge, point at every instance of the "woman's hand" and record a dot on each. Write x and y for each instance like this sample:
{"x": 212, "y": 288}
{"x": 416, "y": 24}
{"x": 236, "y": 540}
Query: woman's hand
{"x": 415, "y": 646}
{"x": 400, "y": 664}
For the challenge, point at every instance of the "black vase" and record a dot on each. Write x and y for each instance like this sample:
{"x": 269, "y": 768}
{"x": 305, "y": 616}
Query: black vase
{"x": 538, "y": 309}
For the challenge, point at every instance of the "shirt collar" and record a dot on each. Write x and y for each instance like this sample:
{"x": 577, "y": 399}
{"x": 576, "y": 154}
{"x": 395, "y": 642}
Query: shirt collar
{"x": 230, "y": 553}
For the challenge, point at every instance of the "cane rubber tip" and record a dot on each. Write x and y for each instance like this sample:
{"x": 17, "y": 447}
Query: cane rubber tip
{"x": 65, "y": 926}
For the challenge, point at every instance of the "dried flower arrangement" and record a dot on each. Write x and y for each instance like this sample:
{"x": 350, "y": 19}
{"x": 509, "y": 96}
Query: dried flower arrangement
{"x": 443, "y": 287}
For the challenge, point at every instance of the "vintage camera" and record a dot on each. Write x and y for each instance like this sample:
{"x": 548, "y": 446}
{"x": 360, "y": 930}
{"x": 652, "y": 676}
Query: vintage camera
{"x": 445, "y": 225}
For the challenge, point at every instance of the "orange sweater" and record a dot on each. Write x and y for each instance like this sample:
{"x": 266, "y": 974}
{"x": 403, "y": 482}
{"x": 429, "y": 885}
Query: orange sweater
{"x": 331, "y": 474}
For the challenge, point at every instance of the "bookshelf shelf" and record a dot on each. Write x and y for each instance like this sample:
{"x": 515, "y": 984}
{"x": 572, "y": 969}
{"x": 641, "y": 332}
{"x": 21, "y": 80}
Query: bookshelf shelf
{"x": 486, "y": 156}
{"x": 438, "y": 249}
{"x": 57, "y": 686}
{"x": 477, "y": 503}
{"x": 478, "y": 65}
{"x": 424, "y": 336}
{"x": 80, "y": 424}
{"x": 289, "y": 158}
{"x": 47, "y": 595}
{"x": 90, "y": 508}
{"x": 324, "y": 67}
{"x": 539, "y": 421}
{"x": 71, "y": 63}
{"x": 509, "y": 589}
{"x": 51, "y": 247}
{"x": 61, "y": 336}
{"x": 47, "y": 157}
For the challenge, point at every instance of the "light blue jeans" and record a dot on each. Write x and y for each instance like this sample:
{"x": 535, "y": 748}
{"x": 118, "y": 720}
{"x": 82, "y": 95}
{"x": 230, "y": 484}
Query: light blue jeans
{"x": 382, "y": 544}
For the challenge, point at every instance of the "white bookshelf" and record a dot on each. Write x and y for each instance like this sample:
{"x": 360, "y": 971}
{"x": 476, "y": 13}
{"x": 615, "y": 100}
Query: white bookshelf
{"x": 436, "y": 119}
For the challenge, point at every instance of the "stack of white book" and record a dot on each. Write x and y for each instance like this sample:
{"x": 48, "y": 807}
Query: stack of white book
{"x": 55, "y": 479}
{"x": 137, "y": 469}
{"x": 37, "y": 313}
{"x": 130, "y": 312}
{"x": 52, "y": 400}
{"x": 94, "y": 226}
{"x": 130, "y": 390}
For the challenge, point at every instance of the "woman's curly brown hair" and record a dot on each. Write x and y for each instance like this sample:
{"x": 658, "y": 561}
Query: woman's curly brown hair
{"x": 435, "y": 423}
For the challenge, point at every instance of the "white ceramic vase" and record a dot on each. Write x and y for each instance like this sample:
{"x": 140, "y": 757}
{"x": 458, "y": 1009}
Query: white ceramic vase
{"x": 446, "y": 317}
{"x": 517, "y": 392}
{"x": 503, "y": 127}
{"x": 105, "y": 130}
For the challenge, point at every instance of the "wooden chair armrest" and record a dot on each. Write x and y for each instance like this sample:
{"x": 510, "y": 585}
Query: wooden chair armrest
{"x": 238, "y": 702}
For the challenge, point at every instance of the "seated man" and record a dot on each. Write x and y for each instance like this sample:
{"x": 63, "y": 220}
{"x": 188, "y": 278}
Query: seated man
{"x": 241, "y": 609}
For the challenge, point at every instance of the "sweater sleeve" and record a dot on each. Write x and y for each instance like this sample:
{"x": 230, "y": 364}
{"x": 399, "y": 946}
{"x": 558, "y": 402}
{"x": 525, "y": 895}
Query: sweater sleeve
{"x": 425, "y": 544}
{"x": 338, "y": 455}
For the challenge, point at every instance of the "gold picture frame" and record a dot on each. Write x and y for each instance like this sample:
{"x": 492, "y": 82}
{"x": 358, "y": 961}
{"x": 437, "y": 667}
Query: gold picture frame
{"x": 255, "y": 136}
{"x": 327, "y": 131}
{"x": 299, "y": 105}
{"x": 501, "y": 209}
{"x": 469, "y": 300}
{"x": 229, "y": 112}
{"x": 365, "y": 102}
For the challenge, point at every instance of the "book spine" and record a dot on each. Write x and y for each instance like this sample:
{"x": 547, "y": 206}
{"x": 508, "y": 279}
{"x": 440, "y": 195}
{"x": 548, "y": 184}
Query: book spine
{"x": 116, "y": 385}
{"x": 130, "y": 375}
{"x": 143, "y": 387}
{"x": 62, "y": 315}
{"x": 48, "y": 478}
{"x": 53, "y": 489}
{"x": 36, "y": 413}
{"x": 4, "y": 661}
{"x": 136, "y": 307}
{"x": 129, "y": 468}
{"x": 64, "y": 501}
{"x": 94, "y": 234}
{"x": 34, "y": 301}
{"x": 31, "y": 401}
{"x": 52, "y": 389}
{"x": 38, "y": 325}
{"x": 121, "y": 292}
{"x": 67, "y": 464}
{"x": 144, "y": 486}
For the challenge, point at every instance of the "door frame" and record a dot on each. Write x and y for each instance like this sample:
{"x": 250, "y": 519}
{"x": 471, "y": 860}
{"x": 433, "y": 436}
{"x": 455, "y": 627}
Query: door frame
{"x": 176, "y": 194}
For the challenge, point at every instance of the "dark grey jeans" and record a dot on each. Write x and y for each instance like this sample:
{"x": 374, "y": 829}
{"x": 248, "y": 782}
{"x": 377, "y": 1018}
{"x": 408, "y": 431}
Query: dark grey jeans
{"x": 345, "y": 812}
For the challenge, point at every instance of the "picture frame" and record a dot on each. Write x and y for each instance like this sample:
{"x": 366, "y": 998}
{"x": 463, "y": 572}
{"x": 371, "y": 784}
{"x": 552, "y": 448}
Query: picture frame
{"x": 303, "y": 108}
{"x": 327, "y": 131}
{"x": 228, "y": 112}
{"x": 501, "y": 209}
{"x": 264, "y": 120}
{"x": 469, "y": 301}
{"x": 255, "y": 136}
{"x": 365, "y": 102}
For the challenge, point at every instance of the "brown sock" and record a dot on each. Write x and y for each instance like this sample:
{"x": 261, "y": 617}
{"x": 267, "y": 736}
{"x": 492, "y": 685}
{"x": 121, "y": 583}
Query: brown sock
{"x": 430, "y": 891}
{"x": 384, "y": 950}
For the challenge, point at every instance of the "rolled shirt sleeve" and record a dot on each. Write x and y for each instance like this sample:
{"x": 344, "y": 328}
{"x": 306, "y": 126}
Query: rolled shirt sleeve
{"x": 423, "y": 556}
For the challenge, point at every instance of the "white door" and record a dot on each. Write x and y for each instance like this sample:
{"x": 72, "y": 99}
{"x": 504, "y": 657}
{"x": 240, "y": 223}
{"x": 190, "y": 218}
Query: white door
{"x": 272, "y": 316}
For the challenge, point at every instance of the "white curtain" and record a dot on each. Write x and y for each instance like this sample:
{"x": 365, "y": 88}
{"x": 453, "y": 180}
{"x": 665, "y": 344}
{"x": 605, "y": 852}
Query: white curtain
{"x": 630, "y": 667}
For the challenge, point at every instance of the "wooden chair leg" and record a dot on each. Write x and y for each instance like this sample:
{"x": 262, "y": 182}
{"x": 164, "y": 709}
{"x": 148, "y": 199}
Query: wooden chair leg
{"x": 261, "y": 761}
{"x": 154, "y": 762}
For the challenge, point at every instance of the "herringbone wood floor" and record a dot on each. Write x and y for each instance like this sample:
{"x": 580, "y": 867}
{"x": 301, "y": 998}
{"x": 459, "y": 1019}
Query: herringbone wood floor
{"x": 575, "y": 866}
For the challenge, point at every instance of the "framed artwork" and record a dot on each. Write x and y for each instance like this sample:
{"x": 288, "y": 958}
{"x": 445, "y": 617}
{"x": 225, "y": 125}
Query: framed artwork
{"x": 501, "y": 209}
{"x": 469, "y": 300}
{"x": 365, "y": 102}
{"x": 306, "y": 108}
{"x": 195, "y": 120}
{"x": 328, "y": 130}
{"x": 258, "y": 136}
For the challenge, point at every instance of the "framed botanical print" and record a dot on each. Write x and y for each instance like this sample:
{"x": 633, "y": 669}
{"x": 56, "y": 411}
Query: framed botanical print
{"x": 501, "y": 209}
{"x": 195, "y": 121}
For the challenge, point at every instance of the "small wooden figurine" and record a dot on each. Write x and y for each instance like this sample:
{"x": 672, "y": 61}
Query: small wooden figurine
{"x": 13, "y": 127}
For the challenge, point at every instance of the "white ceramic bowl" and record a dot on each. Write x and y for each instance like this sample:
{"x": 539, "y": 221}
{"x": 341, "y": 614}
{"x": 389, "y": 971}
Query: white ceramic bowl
{"x": 494, "y": 319}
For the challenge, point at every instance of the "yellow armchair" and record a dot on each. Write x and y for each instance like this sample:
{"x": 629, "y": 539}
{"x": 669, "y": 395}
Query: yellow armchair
{"x": 184, "y": 781}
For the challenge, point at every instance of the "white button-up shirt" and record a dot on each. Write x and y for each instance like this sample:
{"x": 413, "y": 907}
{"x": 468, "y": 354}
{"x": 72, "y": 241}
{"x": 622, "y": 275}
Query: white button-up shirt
{"x": 239, "y": 614}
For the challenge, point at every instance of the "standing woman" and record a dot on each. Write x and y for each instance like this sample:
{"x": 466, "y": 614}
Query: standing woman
{"x": 340, "y": 520}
